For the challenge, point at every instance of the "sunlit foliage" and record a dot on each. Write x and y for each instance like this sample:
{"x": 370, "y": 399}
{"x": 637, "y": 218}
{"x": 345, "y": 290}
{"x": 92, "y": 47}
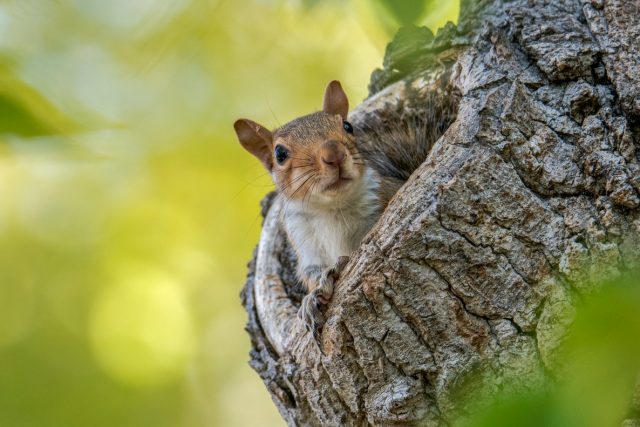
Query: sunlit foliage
{"x": 127, "y": 209}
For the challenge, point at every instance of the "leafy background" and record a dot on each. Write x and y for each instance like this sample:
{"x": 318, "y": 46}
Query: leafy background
{"x": 127, "y": 208}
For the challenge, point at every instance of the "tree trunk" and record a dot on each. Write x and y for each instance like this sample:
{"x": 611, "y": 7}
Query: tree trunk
{"x": 525, "y": 202}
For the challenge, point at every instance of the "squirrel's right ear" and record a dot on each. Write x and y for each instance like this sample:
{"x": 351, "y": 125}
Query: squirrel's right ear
{"x": 256, "y": 139}
{"x": 335, "y": 100}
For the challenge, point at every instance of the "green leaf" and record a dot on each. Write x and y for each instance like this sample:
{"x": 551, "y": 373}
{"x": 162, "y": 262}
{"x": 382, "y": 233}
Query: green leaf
{"x": 406, "y": 12}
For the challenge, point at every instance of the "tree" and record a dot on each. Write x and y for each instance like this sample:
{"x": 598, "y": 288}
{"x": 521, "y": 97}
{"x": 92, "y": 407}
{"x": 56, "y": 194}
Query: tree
{"x": 525, "y": 202}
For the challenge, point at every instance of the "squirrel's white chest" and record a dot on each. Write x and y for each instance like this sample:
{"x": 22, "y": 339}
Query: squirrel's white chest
{"x": 320, "y": 237}
{"x": 329, "y": 235}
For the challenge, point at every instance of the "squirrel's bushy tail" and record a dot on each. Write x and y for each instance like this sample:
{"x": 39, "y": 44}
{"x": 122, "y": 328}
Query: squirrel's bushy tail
{"x": 395, "y": 146}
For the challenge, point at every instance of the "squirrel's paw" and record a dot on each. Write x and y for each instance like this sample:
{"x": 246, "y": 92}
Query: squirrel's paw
{"x": 311, "y": 309}
{"x": 311, "y": 313}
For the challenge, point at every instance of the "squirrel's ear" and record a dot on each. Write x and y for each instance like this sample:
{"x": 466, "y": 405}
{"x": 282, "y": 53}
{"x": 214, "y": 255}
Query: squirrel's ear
{"x": 256, "y": 139}
{"x": 335, "y": 100}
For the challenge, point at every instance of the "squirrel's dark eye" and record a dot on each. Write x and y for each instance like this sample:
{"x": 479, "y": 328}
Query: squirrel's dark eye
{"x": 282, "y": 154}
{"x": 347, "y": 126}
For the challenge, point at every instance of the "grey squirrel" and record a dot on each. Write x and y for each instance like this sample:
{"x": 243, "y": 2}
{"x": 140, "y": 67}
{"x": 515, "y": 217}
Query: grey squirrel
{"x": 335, "y": 182}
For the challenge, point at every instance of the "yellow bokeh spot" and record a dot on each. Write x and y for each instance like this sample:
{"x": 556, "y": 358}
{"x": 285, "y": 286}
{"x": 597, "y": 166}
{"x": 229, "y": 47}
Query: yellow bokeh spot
{"x": 141, "y": 331}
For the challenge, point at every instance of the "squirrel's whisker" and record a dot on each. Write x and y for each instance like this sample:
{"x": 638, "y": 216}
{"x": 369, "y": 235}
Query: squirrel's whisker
{"x": 296, "y": 179}
{"x": 300, "y": 186}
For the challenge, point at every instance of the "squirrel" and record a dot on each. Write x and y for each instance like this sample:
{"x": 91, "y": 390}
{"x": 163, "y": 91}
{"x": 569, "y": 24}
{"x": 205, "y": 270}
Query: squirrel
{"x": 335, "y": 182}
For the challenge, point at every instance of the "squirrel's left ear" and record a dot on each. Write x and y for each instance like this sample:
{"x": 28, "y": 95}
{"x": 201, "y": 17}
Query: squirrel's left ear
{"x": 256, "y": 139}
{"x": 335, "y": 100}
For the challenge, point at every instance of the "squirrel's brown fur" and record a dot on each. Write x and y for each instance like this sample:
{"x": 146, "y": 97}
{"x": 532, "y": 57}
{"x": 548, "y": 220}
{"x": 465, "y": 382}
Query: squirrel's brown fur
{"x": 395, "y": 148}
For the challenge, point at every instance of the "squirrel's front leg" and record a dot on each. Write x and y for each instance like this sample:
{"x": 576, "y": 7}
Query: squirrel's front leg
{"x": 320, "y": 281}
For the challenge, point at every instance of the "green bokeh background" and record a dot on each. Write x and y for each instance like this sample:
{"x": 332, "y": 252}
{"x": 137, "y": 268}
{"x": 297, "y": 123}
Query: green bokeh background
{"x": 128, "y": 210}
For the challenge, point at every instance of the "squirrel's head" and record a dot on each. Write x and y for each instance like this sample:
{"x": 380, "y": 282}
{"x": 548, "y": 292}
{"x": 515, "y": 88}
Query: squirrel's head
{"x": 313, "y": 157}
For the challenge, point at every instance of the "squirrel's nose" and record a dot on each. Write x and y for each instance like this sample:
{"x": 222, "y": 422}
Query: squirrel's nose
{"x": 332, "y": 154}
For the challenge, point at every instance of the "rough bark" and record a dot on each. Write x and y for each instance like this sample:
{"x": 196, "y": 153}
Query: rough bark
{"x": 527, "y": 200}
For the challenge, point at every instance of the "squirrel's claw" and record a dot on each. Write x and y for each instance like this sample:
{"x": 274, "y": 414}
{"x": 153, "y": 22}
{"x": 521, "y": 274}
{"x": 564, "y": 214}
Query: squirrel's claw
{"x": 340, "y": 265}
{"x": 311, "y": 314}
{"x": 311, "y": 310}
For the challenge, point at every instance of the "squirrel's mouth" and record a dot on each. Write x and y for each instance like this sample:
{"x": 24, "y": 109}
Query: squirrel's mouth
{"x": 340, "y": 182}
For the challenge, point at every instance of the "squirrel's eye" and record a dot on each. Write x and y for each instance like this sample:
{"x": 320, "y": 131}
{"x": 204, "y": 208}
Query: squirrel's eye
{"x": 347, "y": 126}
{"x": 281, "y": 154}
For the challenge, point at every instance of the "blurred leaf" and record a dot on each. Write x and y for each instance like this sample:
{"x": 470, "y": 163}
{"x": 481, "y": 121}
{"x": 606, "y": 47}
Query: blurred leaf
{"x": 594, "y": 385}
{"x": 406, "y": 48}
{"x": 381, "y": 19}
{"x": 406, "y": 12}
{"x": 25, "y": 112}
{"x": 309, "y": 4}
